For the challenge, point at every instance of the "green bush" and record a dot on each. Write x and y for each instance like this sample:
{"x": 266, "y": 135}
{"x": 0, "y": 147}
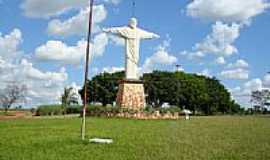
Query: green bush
{"x": 74, "y": 109}
{"x": 102, "y": 111}
{"x": 49, "y": 110}
{"x": 172, "y": 109}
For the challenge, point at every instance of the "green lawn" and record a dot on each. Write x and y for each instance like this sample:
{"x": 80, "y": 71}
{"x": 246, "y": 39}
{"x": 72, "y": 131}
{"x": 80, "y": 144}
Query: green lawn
{"x": 202, "y": 138}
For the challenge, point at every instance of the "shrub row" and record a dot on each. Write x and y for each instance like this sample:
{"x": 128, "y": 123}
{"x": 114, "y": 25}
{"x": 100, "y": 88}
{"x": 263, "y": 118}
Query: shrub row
{"x": 50, "y": 110}
{"x": 92, "y": 110}
{"x": 112, "y": 111}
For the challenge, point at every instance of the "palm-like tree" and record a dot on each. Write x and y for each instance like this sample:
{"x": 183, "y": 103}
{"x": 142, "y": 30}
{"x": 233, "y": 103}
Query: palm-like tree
{"x": 66, "y": 98}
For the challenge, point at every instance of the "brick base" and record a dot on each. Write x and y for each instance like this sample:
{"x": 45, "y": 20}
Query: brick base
{"x": 131, "y": 95}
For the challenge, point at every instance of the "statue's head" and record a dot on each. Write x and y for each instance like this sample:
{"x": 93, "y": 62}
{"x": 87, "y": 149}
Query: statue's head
{"x": 133, "y": 23}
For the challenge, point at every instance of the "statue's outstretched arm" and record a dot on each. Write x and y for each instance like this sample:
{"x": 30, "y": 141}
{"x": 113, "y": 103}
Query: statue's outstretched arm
{"x": 148, "y": 35}
{"x": 115, "y": 30}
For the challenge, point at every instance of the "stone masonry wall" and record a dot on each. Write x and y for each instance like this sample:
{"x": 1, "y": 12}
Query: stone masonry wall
{"x": 131, "y": 96}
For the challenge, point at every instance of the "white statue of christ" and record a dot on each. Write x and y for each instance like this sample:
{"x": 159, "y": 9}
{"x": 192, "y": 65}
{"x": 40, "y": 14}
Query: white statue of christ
{"x": 132, "y": 36}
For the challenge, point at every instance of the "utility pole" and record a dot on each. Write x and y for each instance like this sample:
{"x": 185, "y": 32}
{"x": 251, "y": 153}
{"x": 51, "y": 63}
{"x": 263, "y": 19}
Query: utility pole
{"x": 86, "y": 68}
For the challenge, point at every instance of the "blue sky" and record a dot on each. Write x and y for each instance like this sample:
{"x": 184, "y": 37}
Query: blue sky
{"x": 42, "y": 43}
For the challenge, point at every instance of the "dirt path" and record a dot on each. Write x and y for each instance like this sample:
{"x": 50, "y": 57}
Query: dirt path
{"x": 13, "y": 115}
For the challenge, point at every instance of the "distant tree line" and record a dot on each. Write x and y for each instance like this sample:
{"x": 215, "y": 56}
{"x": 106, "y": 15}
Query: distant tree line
{"x": 199, "y": 94}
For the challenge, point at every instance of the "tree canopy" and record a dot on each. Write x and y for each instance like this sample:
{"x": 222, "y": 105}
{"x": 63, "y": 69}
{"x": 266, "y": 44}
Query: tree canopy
{"x": 190, "y": 91}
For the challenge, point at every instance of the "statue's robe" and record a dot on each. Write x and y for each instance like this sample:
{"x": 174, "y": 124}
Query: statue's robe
{"x": 132, "y": 37}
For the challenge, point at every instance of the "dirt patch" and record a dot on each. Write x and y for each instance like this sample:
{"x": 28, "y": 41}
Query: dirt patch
{"x": 14, "y": 115}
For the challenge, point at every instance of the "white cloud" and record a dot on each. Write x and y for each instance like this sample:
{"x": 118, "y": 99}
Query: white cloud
{"x": 237, "y": 70}
{"x": 43, "y": 86}
{"x": 197, "y": 55}
{"x": 237, "y": 74}
{"x": 53, "y": 8}
{"x": 242, "y": 94}
{"x": 219, "y": 42}
{"x": 220, "y": 60}
{"x": 61, "y": 52}
{"x": 9, "y": 44}
{"x": 205, "y": 72}
{"x": 27, "y": 69}
{"x": 113, "y": 69}
{"x": 253, "y": 85}
{"x": 99, "y": 44}
{"x": 160, "y": 57}
{"x": 48, "y": 8}
{"x": 78, "y": 24}
{"x": 117, "y": 40}
{"x": 227, "y": 10}
{"x": 266, "y": 81}
{"x": 239, "y": 64}
{"x": 115, "y": 2}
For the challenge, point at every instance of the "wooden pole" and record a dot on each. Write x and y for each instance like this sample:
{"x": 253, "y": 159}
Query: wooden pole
{"x": 86, "y": 69}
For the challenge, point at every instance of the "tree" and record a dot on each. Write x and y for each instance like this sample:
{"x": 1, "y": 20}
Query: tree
{"x": 190, "y": 91}
{"x": 260, "y": 99}
{"x": 103, "y": 88}
{"x": 68, "y": 97}
{"x": 13, "y": 93}
{"x": 194, "y": 92}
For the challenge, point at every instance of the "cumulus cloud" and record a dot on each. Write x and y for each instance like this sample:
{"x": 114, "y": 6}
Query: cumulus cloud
{"x": 9, "y": 44}
{"x": 113, "y": 69}
{"x": 237, "y": 74}
{"x": 160, "y": 57}
{"x": 266, "y": 81}
{"x": 61, "y": 52}
{"x": 237, "y": 70}
{"x": 242, "y": 93}
{"x": 43, "y": 86}
{"x": 220, "y": 60}
{"x": 219, "y": 42}
{"x": 195, "y": 55}
{"x": 48, "y": 8}
{"x": 205, "y": 72}
{"x": 115, "y": 2}
{"x": 227, "y": 10}
{"x": 53, "y": 8}
{"x": 78, "y": 24}
{"x": 27, "y": 69}
{"x": 239, "y": 64}
{"x": 253, "y": 85}
{"x": 117, "y": 40}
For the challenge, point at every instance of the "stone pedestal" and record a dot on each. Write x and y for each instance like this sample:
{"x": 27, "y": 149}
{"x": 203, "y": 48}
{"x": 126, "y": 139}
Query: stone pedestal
{"x": 131, "y": 95}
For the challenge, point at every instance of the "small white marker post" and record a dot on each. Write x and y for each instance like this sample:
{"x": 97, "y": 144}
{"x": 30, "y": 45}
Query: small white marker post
{"x": 101, "y": 141}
